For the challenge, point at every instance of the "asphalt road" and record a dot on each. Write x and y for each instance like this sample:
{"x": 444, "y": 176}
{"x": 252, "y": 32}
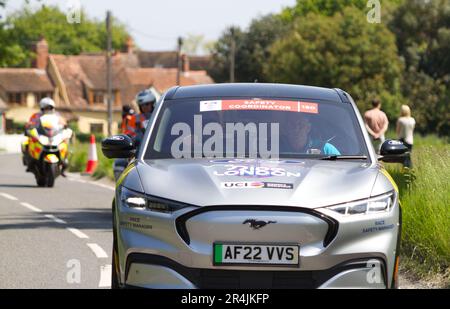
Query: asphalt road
{"x": 53, "y": 238}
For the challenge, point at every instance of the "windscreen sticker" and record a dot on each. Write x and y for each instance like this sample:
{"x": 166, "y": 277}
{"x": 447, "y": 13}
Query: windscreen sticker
{"x": 262, "y": 105}
{"x": 210, "y": 106}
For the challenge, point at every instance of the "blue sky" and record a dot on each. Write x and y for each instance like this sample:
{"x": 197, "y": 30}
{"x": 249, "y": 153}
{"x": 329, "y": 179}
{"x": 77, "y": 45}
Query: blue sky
{"x": 155, "y": 24}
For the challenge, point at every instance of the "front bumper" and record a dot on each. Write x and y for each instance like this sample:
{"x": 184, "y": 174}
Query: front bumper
{"x": 156, "y": 272}
{"x": 175, "y": 250}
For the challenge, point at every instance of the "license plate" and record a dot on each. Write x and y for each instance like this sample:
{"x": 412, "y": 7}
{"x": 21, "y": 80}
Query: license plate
{"x": 249, "y": 254}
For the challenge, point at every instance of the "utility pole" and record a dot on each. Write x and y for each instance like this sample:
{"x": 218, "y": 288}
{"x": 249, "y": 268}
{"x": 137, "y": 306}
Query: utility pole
{"x": 232, "y": 56}
{"x": 109, "y": 71}
{"x": 179, "y": 63}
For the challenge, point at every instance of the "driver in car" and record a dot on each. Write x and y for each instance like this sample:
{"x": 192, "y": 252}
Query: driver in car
{"x": 298, "y": 140}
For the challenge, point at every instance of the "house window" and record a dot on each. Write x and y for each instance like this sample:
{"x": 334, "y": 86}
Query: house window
{"x": 99, "y": 97}
{"x": 16, "y": 98}
{"x": 96, "y": 128}
{"x": 40, "y": 95}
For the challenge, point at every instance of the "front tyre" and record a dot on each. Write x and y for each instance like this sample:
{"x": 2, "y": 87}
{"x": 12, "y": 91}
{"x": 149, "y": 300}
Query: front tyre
{"x": 115, "y": 281}
{"x": 51, "y": 172}
{"x": 114, "y": 273}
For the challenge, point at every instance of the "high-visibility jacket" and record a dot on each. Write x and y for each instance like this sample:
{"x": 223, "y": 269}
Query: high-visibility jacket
{"x": 133, "y": 124}
{"x": 33, "y": 122}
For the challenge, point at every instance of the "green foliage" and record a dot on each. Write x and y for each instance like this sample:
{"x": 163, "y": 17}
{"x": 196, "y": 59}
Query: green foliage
{"x": 104, "y": 167}
{"x": 252, "y": 50}
{"x": 422, "y": 29}
{"x": 78, "y": 156}
{"x": 26, "y": 27}
{"x": 429, "y": 100}
{"x": 320, "y": 7}
{"x": 341, "y": 51}
{"x": 425, "y": 196}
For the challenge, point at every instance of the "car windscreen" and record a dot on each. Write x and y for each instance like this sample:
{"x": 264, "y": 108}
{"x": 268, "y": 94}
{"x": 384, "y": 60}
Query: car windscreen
{"x": 254, "y": 128}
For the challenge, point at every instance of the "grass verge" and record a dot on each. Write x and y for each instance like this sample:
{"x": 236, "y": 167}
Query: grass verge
{"x": 425, "y": 197}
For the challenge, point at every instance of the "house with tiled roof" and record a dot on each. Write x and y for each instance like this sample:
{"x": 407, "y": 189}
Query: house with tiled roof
{"x": 77, "y": 83}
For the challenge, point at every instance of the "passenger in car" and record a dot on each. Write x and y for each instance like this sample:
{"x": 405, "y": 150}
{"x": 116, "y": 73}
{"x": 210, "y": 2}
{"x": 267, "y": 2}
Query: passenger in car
{"x": 297, "y": 138}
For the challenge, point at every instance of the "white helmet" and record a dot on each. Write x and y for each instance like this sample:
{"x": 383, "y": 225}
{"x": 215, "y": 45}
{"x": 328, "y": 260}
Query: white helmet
{"x": 145, "y": 97}
{"x": 46, "y": 102}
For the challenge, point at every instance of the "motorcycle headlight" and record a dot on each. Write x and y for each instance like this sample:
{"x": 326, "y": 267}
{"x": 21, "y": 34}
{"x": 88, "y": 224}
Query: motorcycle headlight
{"x": 44, "y": 140}
{"x": 136, "y": 200}
{"x": 379, "y": 204}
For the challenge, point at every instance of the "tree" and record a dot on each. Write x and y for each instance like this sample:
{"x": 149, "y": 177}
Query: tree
{"x": 429, "y": 101}
{"x": 422, "y": 29}
{"x": 331, "y": 7}
{"x": 252, "y": 49}
{"x": 341, "y": 51}
{"x": 22, "y": 29}
{"x": 319, "y": 7}
{"x": 220, "y": 67}
{"x": 423, "y": 35}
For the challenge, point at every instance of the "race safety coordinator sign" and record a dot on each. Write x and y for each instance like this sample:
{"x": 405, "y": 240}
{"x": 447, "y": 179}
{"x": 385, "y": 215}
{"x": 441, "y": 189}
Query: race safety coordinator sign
{"x": 262, "y": 105}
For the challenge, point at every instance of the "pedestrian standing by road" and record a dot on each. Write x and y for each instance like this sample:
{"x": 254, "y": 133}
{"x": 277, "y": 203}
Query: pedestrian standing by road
{"x": 377, "y": 124}
{"x": 405, "y": 132}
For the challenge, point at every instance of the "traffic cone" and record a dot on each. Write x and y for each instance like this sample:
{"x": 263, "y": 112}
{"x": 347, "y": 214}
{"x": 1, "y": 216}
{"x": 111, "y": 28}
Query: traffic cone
{"x": 92, "y": 157}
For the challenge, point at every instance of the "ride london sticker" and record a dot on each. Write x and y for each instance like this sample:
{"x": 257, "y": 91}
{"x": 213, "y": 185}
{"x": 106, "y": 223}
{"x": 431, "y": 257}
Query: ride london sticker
{"x": 263, "y": 105}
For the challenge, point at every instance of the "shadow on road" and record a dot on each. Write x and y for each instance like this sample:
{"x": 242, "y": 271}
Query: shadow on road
{"x": 18, "y": 186}
{"x": 86, "y": 218}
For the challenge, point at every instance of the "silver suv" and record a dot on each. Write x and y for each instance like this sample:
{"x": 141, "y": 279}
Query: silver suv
{"x": 255, "y": 186}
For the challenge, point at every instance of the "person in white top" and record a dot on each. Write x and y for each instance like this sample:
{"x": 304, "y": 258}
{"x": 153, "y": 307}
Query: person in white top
{"x": 405, "y": 132}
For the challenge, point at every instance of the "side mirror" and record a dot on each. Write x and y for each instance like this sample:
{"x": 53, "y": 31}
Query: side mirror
{"x": 393, "y": 151}
{"x": 118, "y": 147}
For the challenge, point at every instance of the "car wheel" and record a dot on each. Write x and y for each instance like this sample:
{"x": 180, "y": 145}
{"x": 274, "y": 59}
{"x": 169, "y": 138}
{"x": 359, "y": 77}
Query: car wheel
{"x": 115, "y": 283}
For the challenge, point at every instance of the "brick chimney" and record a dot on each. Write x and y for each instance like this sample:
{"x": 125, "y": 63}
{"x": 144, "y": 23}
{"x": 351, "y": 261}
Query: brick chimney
{"x": 130, "y": 45}
{"x": 41, "y": 51}
{"x": 185, "y": 63}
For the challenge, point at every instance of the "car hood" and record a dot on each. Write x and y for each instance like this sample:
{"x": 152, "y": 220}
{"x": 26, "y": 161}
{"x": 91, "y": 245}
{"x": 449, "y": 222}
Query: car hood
{"x": 304, "y": 183}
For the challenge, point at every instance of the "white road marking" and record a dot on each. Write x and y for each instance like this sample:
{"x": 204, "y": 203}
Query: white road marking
{"x": 101, "y": 185}
{"x": 98, "y": 251}
{"x": 31, "y": 207}
{"x": 9, "y": 197}
{"x": 77, "y": 233}
{"x": 57, "y": 220}
{"x": 105, "y": 276}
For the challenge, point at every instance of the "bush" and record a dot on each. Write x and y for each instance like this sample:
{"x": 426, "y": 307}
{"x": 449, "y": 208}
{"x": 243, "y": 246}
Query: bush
{"x": 78, "y": 157}
{"x": 104, "y": 168}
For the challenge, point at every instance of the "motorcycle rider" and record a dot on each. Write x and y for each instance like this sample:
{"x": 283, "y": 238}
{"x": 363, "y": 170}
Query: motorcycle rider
{"x": 47, "y": 106}
{"x": 134, "y": 125}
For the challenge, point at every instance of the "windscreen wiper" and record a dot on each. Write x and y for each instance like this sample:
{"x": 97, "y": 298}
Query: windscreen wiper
{"x": 336, "y": 158}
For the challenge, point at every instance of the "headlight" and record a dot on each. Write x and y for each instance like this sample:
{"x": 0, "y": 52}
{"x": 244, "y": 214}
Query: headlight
{"x": 379, "y": 204}
{"x": 136, "y": 200}
{"x": 44, "y": 140}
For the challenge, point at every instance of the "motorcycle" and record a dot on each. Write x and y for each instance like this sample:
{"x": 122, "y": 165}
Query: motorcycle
{"x": 45, "y": 151}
